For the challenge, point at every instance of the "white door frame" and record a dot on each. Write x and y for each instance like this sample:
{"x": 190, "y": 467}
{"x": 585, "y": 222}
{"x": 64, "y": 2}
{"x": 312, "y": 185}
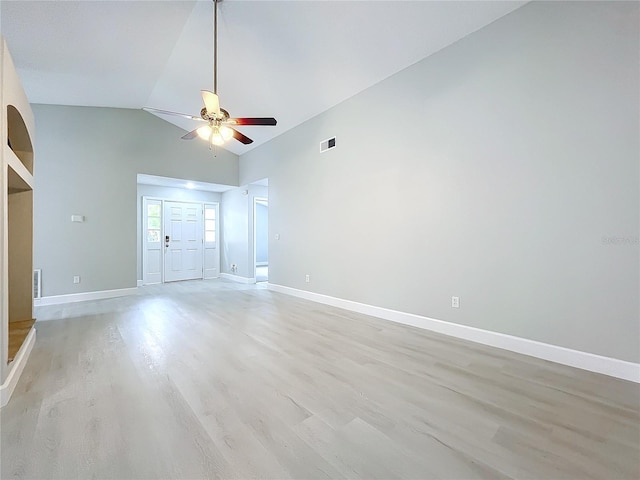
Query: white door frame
{"x": 143, "y": 233}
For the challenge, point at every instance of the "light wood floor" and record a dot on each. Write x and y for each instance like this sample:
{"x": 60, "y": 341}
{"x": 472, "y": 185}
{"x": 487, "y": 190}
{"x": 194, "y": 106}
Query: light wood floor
{"x": 213, "y": 379}
{"x": 18, "y": 331}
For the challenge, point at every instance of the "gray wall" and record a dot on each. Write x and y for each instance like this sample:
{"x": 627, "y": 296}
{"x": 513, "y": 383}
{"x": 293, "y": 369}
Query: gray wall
{"x": 87, "y": 161}
{"x": 237, "y": 229}
{"x": 498, "y": 170}
{"x": 234, "y": 223}
{"x": 262, "y": 233}
{"x": 166, "y": 193}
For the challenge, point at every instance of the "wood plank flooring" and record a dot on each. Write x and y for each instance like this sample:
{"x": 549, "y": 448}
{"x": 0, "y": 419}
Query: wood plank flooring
{"x": 213, "y": 379}
{"x": 18, "y": 331}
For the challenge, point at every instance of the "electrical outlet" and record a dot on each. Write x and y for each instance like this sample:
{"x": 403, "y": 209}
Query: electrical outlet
{"x": 76, "y": 279}
{"x": 455, "y": 302}
{"x": 306, "y": 278}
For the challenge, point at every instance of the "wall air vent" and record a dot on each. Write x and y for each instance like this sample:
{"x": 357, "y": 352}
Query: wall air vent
{"x": 37, "y": 283}
{"x": 328, "y": 144}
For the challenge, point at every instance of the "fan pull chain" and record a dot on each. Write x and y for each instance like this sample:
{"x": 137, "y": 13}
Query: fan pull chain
{"x": 212, "y": 146}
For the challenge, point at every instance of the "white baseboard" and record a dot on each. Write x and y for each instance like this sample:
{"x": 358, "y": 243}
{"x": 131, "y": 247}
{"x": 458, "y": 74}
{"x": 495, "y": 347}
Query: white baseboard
{"x": 140, "y": 283}
{"x": 81, "y": 297}
{"x": 566, "y": 356}
{"x": 17, "y": 366}
{"x": 237, "y": 278}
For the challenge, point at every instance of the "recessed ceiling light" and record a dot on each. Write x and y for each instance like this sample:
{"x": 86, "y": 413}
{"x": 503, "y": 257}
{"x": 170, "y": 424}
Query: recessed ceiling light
{"x": 190, "y": 185}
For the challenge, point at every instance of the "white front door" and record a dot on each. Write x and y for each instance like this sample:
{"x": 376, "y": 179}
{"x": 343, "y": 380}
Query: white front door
{"x": 182, "y": 241}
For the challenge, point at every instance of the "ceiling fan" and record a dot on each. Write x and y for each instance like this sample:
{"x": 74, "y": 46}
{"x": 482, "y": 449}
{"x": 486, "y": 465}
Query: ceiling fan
{"x": 219, "y": 124}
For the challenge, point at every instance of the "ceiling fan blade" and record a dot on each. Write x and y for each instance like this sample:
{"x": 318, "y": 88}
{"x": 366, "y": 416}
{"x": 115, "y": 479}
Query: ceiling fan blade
{"x": 252, "y": 121}
{"x": 167, "y": 112}
{"x": 211, "y": 102}
{"x": 191, "y": 135}
{"x": 241, "y": 137}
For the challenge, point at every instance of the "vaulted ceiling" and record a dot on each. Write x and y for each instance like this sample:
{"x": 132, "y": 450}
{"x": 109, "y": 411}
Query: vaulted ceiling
{"x": 287, "y": 59}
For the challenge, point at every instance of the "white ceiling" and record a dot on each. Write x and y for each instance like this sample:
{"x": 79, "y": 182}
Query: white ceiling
{"x": 287, "y": 59}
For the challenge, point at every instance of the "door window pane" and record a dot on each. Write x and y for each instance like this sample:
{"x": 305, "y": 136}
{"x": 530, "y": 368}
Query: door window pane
{"x": 210, "y": 225}
{"x": 153, "y": 222}
{"x": 153, "y": 210}
{"x": 153, "y": 236}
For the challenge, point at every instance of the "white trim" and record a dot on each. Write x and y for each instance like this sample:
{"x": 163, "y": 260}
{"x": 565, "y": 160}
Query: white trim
{"x": 566, "y": 356}
{"x": 18, "y": 364}
{"x": 139, "y": 284}
{"x": 262, "y": 264}
{"x": 237, "y": 278}
{"x": 81, "y": 297}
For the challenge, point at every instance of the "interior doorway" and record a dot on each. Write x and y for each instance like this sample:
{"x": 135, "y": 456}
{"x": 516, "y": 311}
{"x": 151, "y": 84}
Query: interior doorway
{"x": 261, "y": 238}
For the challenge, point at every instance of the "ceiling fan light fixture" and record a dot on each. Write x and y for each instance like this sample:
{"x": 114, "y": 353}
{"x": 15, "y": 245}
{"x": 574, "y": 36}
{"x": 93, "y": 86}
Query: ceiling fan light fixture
{"x": 226, "y": 133}
{"x": 204, "y": 132}
{"x": 216, "y": 137}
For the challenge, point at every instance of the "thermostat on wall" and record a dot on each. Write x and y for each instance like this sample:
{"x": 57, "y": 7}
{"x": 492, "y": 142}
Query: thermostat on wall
{"x": 77, "y": 218}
